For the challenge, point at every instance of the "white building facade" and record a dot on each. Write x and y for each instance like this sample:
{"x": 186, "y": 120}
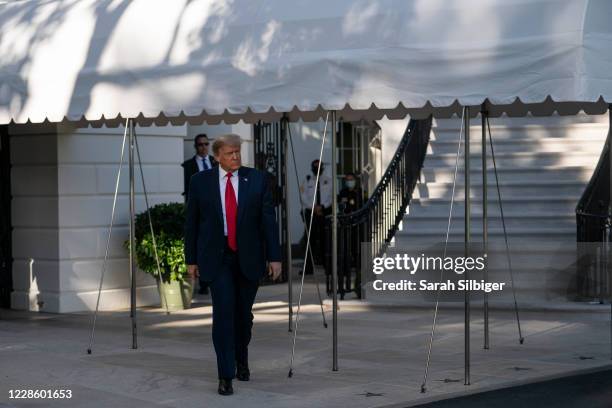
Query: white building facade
{"x": 62, "y": 185}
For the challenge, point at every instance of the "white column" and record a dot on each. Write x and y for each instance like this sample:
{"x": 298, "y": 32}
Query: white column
{"x": 63, "y": 184}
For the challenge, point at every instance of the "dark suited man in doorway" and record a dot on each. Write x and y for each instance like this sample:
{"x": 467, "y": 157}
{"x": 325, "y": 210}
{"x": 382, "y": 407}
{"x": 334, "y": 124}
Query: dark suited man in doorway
{"x": 199, "y": 162}
{"x": 230, "y": 235}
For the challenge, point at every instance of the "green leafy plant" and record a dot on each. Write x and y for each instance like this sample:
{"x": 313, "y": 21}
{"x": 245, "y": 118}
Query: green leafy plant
{"x": 168, "y": 220}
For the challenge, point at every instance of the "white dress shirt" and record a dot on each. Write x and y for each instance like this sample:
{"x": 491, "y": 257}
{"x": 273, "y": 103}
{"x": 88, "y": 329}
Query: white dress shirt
{"x": 222, "y": 185}
{"x": 308, "y": 191}
{"x": 200, "y": 160}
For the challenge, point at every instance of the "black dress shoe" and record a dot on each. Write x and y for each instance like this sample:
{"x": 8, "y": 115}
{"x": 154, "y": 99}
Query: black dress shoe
{"x": 242, "y": 372}
{"x": 225, "y": 387}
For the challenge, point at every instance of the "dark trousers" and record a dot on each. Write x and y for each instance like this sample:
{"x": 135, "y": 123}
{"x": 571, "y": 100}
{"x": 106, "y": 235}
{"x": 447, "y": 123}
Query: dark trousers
{"x": 348, "y": 258}
{"x": 203, "y": 284}
{"x": 317, "y": 238}
{"x": 232, "y": 297}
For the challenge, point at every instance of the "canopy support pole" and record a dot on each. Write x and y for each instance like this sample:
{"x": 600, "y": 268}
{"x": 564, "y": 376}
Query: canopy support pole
{"x": 467, "y": 239}
{"x": 132, "y": 240}
{"x": 334, "y": 248}
{"x": 485, "y": 222}
{"x": 609, "y": 220}
{"x": 286, "y": 208}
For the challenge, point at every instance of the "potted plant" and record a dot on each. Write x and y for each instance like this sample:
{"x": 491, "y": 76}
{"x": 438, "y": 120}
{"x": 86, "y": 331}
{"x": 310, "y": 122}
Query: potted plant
{"x": 175, "y": 287}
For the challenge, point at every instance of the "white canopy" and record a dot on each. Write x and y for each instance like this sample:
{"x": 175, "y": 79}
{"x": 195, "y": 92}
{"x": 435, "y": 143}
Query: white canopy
{"x": 203, "y": 60}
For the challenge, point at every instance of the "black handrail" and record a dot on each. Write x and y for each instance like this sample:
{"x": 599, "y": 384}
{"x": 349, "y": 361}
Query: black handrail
{"x": 594, "y": 225}
{"x": 596, "y": 196}
{"x": 377, "y": 221}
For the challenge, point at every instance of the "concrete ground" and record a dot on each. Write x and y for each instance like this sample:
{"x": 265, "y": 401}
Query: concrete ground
{"x": 382, "y": 352}
{"x": 592, "y": 390}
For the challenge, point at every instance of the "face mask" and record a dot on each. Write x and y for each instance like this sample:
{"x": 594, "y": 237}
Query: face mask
{"x": 351, "y": 183}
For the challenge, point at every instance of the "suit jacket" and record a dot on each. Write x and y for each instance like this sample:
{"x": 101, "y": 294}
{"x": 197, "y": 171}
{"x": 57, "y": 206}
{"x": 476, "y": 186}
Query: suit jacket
{"x": 256, "y": 228}
{"x": 190, "y": 167}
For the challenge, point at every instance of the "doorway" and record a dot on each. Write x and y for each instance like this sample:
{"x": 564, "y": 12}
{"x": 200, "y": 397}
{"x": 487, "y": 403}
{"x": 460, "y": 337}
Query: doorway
{"x": 6, "y": 259}
{"x": 359, "y": 153}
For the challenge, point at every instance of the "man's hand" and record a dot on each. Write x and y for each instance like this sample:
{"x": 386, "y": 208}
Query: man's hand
{"x": 274, "y": 270}
{"x": 193, "y": 272}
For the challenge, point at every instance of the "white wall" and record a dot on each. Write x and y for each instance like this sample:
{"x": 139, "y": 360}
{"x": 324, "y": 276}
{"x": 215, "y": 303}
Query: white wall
{"x": 62, "y": 187}
{"x": 392, "y": 133}
{"x": 63, "y": 182}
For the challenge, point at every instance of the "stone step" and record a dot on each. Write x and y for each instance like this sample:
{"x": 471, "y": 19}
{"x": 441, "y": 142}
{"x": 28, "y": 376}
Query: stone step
{"x": 543, "y": 165}
{"x": 526, "y": 133}
{"x": 507, "y": 188}
{"x": 497, "y": 259}
{"x": 541, "y": 173}
{"x": 526, "y": 298}
{"x": 522, "y": 247}
{"x": 527, "y": 128}
{"x": 512, "y": 220}
{"x": 592, "y": 145}
{"x": 553, "y": 203}
{"x": 516, "y": 159}
{"x": 533, "y": 234}
{"x": 540, "y": 208}
{"x": 497, "y": 268}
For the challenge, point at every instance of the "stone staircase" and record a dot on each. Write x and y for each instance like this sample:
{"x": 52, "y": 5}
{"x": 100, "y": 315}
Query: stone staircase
{"x": 543, "y": 166}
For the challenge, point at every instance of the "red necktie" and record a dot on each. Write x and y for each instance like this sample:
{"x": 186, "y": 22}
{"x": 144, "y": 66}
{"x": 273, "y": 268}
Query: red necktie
{"x": 231, "y": 209}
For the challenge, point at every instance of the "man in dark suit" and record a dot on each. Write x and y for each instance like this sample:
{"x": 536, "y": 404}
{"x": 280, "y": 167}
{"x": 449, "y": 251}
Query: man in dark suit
{"x": 230, "y": 234}
{"x": 199, "y": 162}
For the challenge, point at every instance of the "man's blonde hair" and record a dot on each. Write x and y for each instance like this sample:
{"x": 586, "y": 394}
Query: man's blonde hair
{"x": 229, "y": 139}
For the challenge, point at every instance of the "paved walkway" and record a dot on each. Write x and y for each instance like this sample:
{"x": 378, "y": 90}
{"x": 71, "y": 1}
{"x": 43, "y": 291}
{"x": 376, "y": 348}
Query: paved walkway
{"x": 381, "y": 355}
{"x": 593, "y": 390}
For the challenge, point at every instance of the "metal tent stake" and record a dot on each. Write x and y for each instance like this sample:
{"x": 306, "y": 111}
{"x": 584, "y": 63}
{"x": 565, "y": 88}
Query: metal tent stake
{"x": 108, "y": 239}
{"x": 308, "y": 235}
{"x": 503, "y": 220}
{"x": 448, "y": 226}
{"x": 151, "y": 230}
{"x": 308, "y": 252}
